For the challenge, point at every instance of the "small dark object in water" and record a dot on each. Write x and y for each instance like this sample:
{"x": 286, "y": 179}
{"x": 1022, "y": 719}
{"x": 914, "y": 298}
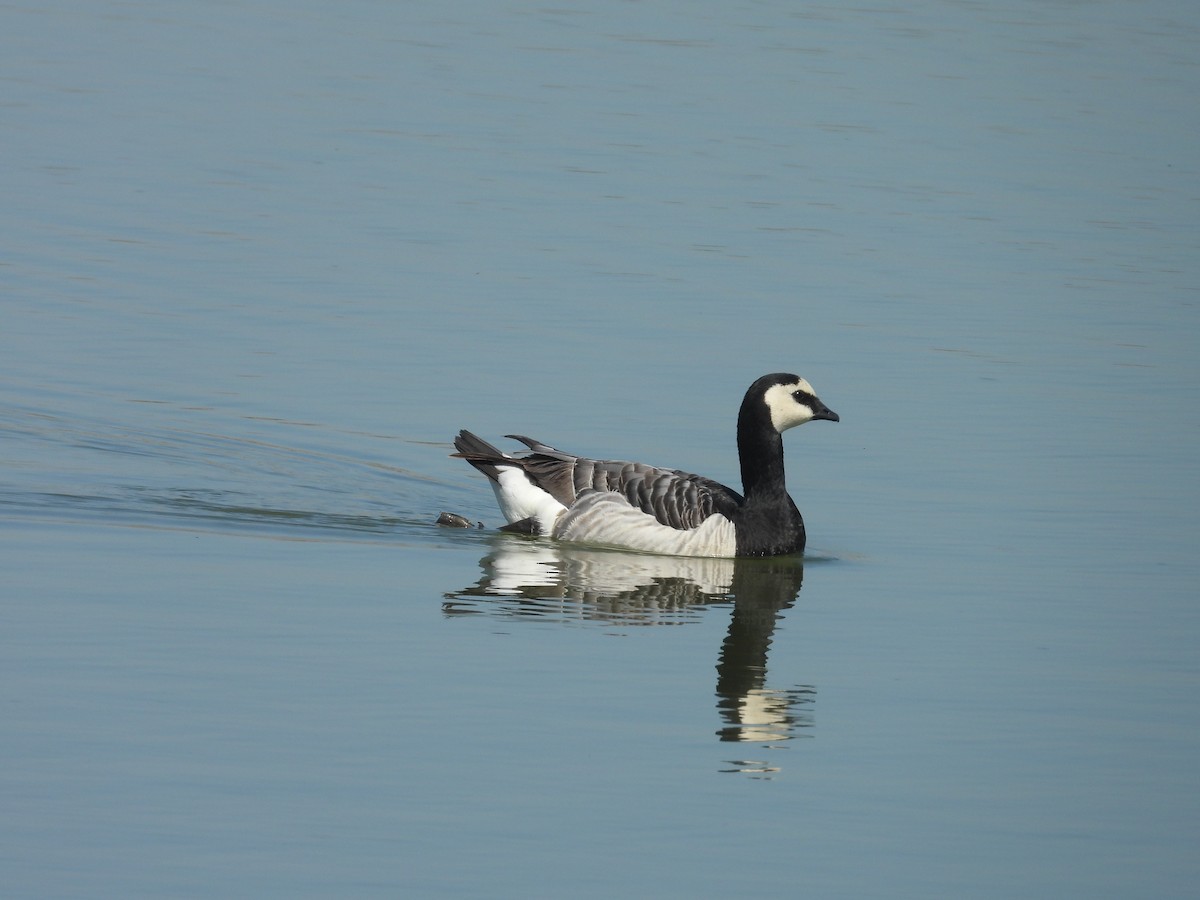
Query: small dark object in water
{"x": 454, "y": 520}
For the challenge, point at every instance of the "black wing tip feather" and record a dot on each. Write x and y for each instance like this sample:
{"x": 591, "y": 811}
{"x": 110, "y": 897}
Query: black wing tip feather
{"x": 536, "y": 446}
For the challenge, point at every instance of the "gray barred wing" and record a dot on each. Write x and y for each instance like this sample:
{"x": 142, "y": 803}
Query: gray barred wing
{"x": 677, "y": 499}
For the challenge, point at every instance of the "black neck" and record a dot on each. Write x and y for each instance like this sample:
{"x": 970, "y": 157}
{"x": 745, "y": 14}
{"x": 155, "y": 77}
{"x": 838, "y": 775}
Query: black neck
{"x": 760, "y": 450}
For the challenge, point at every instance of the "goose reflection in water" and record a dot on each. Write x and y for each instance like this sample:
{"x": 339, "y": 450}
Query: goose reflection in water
{"x": 525, "y": 579}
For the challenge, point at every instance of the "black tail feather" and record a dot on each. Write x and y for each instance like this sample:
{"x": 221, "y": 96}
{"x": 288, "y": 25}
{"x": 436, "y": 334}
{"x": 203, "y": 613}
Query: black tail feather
{"x": 479, "y": 453}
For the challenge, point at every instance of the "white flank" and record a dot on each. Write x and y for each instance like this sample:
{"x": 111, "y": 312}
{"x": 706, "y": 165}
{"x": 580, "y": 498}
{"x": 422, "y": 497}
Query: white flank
{"x": 520, "y": 498}
{"x": 608, "y": 519}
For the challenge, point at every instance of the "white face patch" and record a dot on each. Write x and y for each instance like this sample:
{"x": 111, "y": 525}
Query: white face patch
{"x": 786, "y": 411}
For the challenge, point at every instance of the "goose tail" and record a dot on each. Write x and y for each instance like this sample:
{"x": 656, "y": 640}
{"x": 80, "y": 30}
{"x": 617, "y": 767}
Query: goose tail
{"x": 479, "y": 453}
{"x": 527, "y": 506}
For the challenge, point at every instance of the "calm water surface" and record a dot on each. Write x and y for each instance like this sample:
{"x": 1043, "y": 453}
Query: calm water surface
{"x": 261, "y": 261}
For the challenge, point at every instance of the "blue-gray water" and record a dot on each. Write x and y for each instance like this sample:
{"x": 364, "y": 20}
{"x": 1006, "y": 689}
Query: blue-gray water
{"x": 259, "y": 261}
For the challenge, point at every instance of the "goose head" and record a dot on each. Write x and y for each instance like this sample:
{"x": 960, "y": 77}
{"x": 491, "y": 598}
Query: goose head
{"x": 791, "y": 401}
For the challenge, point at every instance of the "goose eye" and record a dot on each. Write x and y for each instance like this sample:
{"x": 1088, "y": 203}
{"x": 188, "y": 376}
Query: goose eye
{"x": 800, "y": 397}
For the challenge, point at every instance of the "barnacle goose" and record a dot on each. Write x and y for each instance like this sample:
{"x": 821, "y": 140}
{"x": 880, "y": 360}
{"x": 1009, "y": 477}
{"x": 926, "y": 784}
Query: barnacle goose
{"x": 640, "y": 507}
